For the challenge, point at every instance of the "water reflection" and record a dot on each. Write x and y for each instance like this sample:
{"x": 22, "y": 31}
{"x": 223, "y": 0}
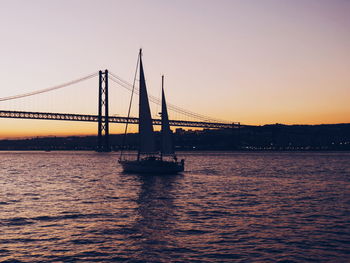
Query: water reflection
{"x": 79, "y": 207}
{"x": 156, "y": 216}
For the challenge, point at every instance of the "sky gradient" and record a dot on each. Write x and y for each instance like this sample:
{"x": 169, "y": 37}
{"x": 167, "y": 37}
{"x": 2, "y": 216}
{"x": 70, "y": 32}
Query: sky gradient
{"x": 256, "y": 62}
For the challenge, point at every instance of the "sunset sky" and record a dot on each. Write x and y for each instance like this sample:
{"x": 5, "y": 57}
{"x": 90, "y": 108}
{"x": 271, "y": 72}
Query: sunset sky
{"x": 255, "y": 62}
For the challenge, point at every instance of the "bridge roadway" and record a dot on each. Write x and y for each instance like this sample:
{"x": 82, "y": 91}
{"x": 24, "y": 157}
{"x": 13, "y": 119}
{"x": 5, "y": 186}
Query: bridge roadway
{"x": 111, "y": 119}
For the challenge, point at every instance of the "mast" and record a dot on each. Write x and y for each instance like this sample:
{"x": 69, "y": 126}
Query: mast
{"x": 146, "y": 136}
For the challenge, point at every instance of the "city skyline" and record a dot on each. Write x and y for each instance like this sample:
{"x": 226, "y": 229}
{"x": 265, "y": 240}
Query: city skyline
{"x": 254, "y": 62}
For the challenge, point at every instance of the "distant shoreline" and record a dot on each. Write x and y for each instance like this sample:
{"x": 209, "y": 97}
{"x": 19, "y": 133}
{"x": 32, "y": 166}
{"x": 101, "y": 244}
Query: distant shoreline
{"x": 277, "y": 137}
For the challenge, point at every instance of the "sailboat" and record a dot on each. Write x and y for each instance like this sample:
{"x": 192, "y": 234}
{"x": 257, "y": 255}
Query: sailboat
{"x": 149, "y": 161}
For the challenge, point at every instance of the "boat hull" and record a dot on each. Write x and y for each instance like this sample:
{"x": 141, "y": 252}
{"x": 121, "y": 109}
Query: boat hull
{"x": 152, "y": 167}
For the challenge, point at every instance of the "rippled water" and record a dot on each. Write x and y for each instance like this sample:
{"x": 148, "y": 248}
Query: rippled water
{"x": 226, "y": 207}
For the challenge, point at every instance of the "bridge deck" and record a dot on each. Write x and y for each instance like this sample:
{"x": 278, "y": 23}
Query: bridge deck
{"x": 111, "y": 119}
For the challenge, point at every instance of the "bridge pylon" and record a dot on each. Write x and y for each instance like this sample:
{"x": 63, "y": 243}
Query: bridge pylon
{"x": 103, "y": 117}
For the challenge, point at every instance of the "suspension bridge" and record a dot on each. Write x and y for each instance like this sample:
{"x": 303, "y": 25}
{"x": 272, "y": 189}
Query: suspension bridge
{"x": 103, "y": 118}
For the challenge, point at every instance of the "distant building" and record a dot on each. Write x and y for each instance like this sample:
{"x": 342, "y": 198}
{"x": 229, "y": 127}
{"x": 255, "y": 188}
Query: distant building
{"x": 179, "y": 131}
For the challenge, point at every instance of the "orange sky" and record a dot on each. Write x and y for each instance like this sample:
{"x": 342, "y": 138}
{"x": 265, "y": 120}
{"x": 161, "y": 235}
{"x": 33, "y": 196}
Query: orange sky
{"x": 254, "y": 62}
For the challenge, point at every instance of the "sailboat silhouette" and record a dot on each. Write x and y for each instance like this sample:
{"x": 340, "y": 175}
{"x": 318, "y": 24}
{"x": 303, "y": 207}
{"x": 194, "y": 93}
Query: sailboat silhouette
{"x": 148, "y": 159}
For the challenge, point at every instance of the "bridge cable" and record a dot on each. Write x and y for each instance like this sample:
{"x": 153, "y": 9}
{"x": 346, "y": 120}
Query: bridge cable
{"x": 153, "y": 99}
{"x": 170, "y": 106}
{"x": 49, "y": 89}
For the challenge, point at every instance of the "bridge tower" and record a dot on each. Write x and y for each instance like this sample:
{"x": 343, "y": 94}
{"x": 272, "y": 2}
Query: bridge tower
{"x": 103, "y": 117}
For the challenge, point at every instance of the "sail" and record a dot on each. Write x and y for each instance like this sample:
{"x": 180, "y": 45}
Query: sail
{"x": 147, "y": 144}
{"x": 167, "y": 142}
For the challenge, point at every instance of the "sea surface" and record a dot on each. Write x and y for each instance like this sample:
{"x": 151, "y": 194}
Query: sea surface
{"x": 225, "y": 207}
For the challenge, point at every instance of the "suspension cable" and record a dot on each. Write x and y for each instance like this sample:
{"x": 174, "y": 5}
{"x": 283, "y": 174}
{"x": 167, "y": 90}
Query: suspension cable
{"x": 155, "y": 100}
{"x": 124, "y": 84}
{"x": 172, "y": 107}
{"x": 49, "y": 89}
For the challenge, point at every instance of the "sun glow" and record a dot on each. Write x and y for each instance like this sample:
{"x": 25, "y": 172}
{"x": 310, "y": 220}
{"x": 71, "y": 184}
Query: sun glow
{"x": 255, "y": 63}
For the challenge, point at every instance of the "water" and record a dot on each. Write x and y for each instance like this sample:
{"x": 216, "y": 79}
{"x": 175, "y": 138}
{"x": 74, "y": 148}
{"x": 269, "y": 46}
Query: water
{"x": 226, "y": 207}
